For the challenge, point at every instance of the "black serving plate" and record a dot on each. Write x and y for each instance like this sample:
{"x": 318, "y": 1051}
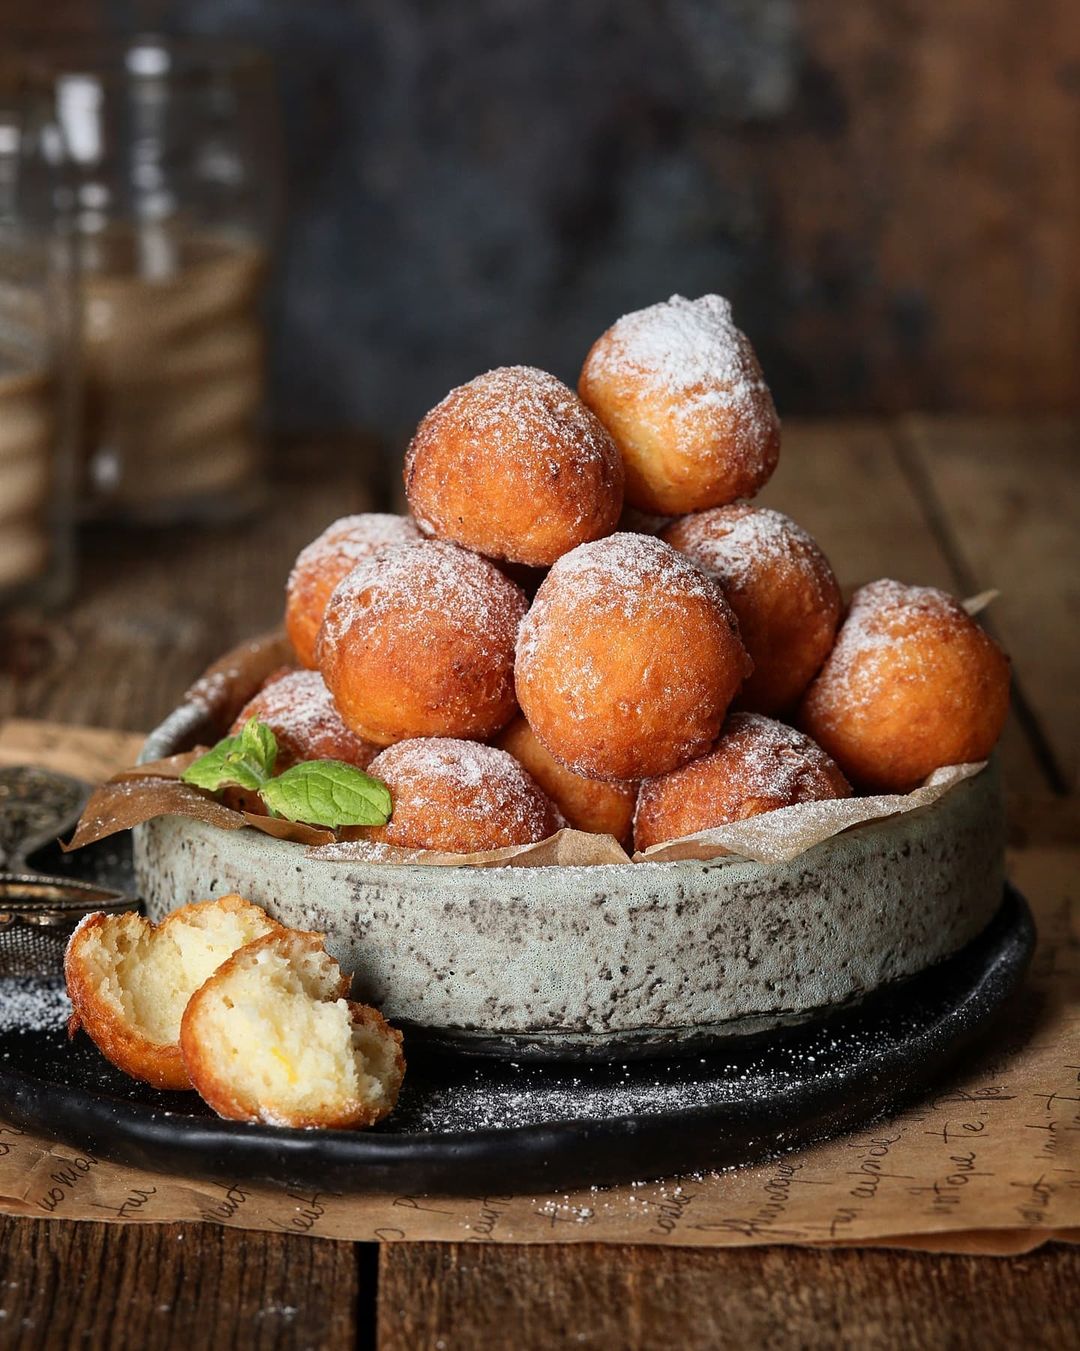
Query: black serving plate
{"x": 467, "y": 1126}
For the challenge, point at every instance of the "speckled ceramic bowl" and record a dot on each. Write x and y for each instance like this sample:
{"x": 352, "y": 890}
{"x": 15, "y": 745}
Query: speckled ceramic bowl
{"x": 612, "y": 960}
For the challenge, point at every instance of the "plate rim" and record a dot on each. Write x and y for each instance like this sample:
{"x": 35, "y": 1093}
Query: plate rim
{"x": 130, "y": 1133}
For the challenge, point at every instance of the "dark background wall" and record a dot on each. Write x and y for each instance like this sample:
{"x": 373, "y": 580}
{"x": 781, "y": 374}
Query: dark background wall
{"x": 889, "y": 192}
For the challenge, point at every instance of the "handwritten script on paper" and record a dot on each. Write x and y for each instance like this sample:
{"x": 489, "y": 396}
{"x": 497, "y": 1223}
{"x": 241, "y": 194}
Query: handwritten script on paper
{"x": 990, "y": 1163}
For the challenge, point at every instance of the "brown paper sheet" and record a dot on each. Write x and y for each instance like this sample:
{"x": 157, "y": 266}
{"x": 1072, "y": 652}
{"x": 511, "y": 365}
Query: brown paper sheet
{"x": 782, "y": 835}
{"x": 567, "y": 848}
{"x": 990, "y": 1164}
{"x": 138, "y": 793}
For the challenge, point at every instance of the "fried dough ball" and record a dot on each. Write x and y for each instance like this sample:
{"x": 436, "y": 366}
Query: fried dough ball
{"x": 756, "y": 766}
{"x": 587, "y": 804}
{"x": 514, "y": 465}
{"x": 326, "y": 560}
{"x": 272, "y": 1037}
{"x": 420, "y": 642}
{"x": 628, "y": 659}
{"x": 461, "y": 797}
{"x": 780, "y": 586}
{"x": 129, "y": 981}
{"x": 299, "y": 710}
{"x": 679, "y": 388}
{"x": 912, "y": 684}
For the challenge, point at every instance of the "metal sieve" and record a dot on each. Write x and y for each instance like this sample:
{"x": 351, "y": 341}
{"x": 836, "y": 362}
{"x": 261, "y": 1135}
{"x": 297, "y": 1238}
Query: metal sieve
{"x": 39, "y": 912}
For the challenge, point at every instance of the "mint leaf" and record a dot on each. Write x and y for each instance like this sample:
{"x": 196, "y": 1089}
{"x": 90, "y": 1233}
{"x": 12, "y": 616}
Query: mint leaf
{"x": 258, "y": 746}
{"x": 246, "y": 760}
{"x": 328, "y": 793}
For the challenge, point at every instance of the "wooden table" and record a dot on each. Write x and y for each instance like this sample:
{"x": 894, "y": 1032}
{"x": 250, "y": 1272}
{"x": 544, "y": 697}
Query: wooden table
{"x": 961, "y": 504}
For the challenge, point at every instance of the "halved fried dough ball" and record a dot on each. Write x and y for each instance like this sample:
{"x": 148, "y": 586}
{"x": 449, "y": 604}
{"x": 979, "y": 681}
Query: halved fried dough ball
{"x": 679, "y": 388}
{"x": 461, "y": 797}
{"x": 326, "y": 560}
{"x": 756, "y": 766}
{"x": 587, "y": 804}
{"x": 514, "y": 465}
{"x": 420, "y": 642}
{"x": 912, "y": 684}
{"x": 299, "y": 710}
{"x": 780, "y": 586}
{"x": 628, "y": 659}
{"x": 129, "y": 981}
{"x": 271, "y": 1037}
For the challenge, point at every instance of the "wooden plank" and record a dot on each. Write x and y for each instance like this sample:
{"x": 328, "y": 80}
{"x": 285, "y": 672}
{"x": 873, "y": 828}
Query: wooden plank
{"x": 495, "y": 1296}
{"x": 153, "y": 609}
{"x": 1010, "y": 490}
{"x": 160, "y": 1287}
{"x": 846, "y": 482}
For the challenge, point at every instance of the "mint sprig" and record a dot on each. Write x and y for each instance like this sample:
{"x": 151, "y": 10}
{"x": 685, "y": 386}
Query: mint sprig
{"x": 328, "y": 793}
{"x": 245, "y": 760}
{"x": 317, "y": 792}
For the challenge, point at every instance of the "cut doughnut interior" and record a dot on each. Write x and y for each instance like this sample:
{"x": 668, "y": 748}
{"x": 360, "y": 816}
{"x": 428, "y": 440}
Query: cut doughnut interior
{"x": 271, "y": 1037}
{"x": 129, "y": 980}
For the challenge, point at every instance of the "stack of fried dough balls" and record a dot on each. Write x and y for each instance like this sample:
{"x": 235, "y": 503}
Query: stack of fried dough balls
{"x": 678, "y": 633}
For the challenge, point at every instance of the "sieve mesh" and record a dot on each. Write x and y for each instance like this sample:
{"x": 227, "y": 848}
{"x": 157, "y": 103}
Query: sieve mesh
{"x": 37, "y": 916}
{"x": 38, "y": 912}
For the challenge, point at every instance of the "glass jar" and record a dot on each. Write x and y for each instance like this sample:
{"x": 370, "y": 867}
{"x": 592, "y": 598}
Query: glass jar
{"x": 172, "y": 156}
{"x": 38, "y": 368}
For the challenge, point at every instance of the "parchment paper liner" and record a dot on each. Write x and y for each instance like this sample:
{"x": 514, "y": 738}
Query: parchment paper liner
{"x": 137, "y": 795}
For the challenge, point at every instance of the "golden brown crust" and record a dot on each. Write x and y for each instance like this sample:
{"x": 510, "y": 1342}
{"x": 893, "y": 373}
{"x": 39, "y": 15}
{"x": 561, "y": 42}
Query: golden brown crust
{"x": 461, "y": 797}
{"x": 782, "y": 590}
{"x": 117, "y": 1039}
{"x": 680, "y": 390}
{"x": 209, "y": 1073}
{"x": 912, "y": 684}
{"x": 420, "y": 642}
{"x": 120, "y": 1043}
{"x": 300, "y": 711}
{"x": 587, "y": 804}
{"x": 628, "y": 659}
{"x": 513, "y": 465}
{"x": 756, "y": 766}
{"x": 325, "y": 561}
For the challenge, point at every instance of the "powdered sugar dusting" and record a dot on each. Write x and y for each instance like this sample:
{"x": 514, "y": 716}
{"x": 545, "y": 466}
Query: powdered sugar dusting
{"x": 632, "y": 574}
{"x": 764, "y": 758}
{"x": 517, "y": 433}
{"x": 475, "y": 782}
{"x": 431, "y": 582}
{"x": 627, "y": 576}
{"x": 31, "y": 1005}
{"x": 351, "y": 538}
{"x": 882, "y": 614}
{"x": 738, "y": 542}
{"x": 687, "y": 355}
{"x": 514, "y": 407}
{"x": 301, "y": 713}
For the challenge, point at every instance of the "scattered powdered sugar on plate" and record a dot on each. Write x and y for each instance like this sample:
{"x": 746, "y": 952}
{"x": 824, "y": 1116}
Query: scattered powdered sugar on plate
{"x": 30, "y": 1005}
